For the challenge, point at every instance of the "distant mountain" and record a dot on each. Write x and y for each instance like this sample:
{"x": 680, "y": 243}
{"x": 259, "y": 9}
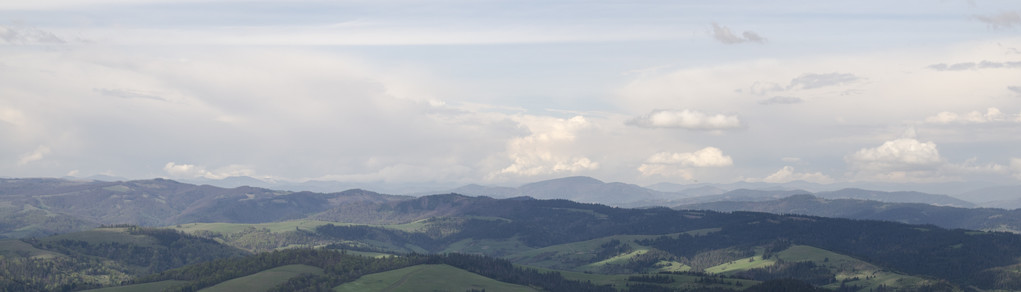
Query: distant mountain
{"x": 895, "y": 197}
{"x": 1008, "y": 197}
{"x": 742, "y": 195}
{"x": 911, "y": 213}
{"x": 577, "y": 188}
{"x": 32, "y": 207}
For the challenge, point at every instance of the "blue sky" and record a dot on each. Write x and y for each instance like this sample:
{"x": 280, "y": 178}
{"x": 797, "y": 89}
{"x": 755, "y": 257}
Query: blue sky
{"x": 504, "y": 92}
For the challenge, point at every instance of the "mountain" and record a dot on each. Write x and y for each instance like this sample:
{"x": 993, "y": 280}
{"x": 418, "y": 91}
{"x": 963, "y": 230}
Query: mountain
{"x": 741, "y": 195}
{"x": 1007, "y": 197}
{"x": 577, "y": 188}
{"x": 33, "y": 207}
{"x": 911, "y": 213}
{"x": 895, "y": 197}
{"x": 688, "y": 246}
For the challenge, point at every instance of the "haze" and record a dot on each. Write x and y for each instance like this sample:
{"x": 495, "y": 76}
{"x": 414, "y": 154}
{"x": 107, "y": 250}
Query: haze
{"x": 506, "y": 92}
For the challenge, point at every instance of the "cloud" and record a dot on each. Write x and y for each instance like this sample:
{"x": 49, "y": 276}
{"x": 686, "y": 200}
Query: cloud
{"x": 547, "y": 149}
{"x": 903, "y": 153}
{"x": 900, "y": 160}
{"x": 681, "y": 164}
{"x": 724, "y": 35}
{"x": 128, "y": 94}
{"x": 787, "y": 174}
{"x": 781, "y": 100}
{"x": 706, "y": 157}
{"x": 35, "y": 155}
{"x": 685, "y": 119}
{"x": 992, "y": 115}
{"x": 198, "y": 171}
{"x": 24, "y": 35}
{"x": 12, "y": 116}
{"x": 1000, "y": 21}
{"x": 813, "y": 80}
{"x": 975, "y": 66}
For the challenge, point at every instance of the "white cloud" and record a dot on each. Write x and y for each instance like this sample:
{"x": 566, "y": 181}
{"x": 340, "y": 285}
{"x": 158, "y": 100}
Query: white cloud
{"x": 706, "y": 157}
{"x": 37, "y": 154}
{"x": 682, "y": 164}
{"x": 547, "y": 150}
{"x": 12, "y": 116}
{"x": 198, "y": 171}
{"x": 787, "y": 174}
{"x": 686, "y": 119}
{"x": 900, "y": 154}
{"x": 992, "y": 115}
{"x": 724, "y": 35}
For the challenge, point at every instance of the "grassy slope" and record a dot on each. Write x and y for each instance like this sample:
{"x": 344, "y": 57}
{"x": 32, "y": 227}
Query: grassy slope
{"x": 582, "y": 253}
{"x": 681, "y": 281}
{"x": 101, "y": 235}
{"x": 17, "y": 248}
{"x": 154, "y": 286}
{"x": 264, "y": 280}
{"x": 428, "y": 278}
{"x": 226, "y": 228}
{"x": 847, "y": 267}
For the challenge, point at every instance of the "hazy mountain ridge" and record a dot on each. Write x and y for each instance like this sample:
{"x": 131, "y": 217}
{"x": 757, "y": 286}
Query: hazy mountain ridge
{"x": 911, "y": 213}
{"x": 56, "y": 205}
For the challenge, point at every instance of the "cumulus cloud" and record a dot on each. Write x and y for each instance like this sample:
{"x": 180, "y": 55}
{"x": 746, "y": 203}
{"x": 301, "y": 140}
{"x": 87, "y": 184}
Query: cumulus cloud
{"x": 1000, "y": 21}
{"x": 35, "y": 155}
{"x": 787, "y": 174}
{"x": 814, "y": 80}
{"x": 903, "y": 153}
{"x": 681, "y": 164}
{"x": 686, "y": 119}
{"x": 975, "y": 66}
{"x": 724, "y": 35}
{"x": 992, "y": 115}
{"x": 781, "y": 100}
{"x": 547, "y": 149}
{"x": 198, "y": 171}
{"x": 900, "y": 160}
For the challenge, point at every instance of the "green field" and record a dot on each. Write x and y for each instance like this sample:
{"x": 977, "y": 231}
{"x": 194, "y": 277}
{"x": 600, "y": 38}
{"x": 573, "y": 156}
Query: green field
{"x": 227, "y": 228}
{"x": 101, "y": 235}
{"x": 870, "y": 276}
{"x": 264, "y": 280}
{"x": 583, "y": 254}
{"x": 428, "y": 278}
{"x": 741, "y": 265}
{"x": 17, "y": 248}
{"x": 154, "y": 286}
{"x": 682, "y": 282}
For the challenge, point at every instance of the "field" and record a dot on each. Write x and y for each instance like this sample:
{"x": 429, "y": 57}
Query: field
{"x": 154, "y": 286}
{"x": 428, "y": 278}
{"x": 18, "y": 248}
{"x": 227, "y": 228}
{"x": 263, "y": 280}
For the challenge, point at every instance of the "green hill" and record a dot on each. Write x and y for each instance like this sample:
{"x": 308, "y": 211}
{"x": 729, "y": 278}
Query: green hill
{"x": 264, "y": 280}
{"x": 428, "y": 278}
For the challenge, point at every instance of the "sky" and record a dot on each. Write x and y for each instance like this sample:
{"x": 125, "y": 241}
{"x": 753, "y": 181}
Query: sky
{"x": 508, "y": 92}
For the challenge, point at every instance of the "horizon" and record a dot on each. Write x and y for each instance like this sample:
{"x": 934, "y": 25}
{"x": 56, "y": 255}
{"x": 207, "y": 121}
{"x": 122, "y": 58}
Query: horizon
{"x": 504, "y": 93}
